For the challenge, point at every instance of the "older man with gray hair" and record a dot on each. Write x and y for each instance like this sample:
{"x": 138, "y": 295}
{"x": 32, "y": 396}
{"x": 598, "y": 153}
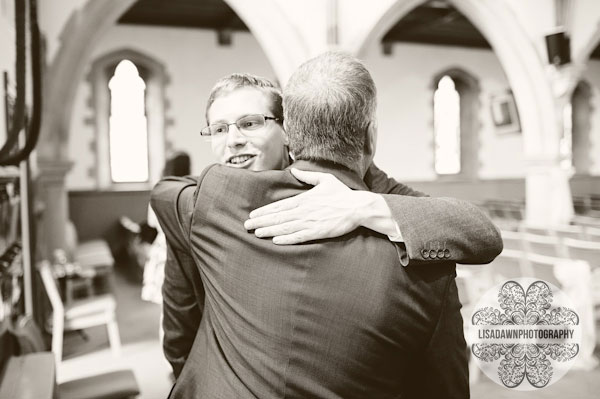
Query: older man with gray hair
{"x": 329, "y": 112}
{"x": 332, "y": 318}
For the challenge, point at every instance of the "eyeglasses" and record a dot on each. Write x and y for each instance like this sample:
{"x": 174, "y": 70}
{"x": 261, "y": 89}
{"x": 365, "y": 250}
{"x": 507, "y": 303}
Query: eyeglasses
{"x": 247, "y": 125}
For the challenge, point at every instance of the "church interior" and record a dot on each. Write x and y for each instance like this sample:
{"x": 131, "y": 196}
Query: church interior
{"x": 496, "y": 102}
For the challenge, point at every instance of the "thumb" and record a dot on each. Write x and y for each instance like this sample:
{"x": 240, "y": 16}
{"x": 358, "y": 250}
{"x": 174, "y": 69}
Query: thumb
{"x": 313, "y": 178}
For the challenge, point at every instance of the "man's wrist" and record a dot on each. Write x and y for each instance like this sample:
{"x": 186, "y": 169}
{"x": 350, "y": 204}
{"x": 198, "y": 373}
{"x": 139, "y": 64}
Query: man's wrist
{"x": 374, "y": 213}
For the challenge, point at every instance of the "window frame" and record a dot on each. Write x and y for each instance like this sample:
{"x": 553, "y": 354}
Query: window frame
{"x": 154, "y": 75}
{"x": 468, "y": 88}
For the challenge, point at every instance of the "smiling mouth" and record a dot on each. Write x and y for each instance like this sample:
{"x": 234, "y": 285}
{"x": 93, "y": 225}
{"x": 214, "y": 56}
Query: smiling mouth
{"x": 240, "y": 159}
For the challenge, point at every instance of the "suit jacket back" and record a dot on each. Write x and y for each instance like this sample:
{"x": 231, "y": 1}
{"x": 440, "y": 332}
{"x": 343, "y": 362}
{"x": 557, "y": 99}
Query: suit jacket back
{"x": 337, "y": 318}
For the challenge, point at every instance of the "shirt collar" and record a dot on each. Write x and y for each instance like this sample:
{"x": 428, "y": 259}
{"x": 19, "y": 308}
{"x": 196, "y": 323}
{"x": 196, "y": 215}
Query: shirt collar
{"x": 342, "y": 173}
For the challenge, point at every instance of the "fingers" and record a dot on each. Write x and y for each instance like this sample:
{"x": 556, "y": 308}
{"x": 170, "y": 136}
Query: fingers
{"x": 270, "y": 220}
{"x": 280, "y": 229}
{"x": 313, "y": 178}
{"x": 279, "y": 206}
{"x": 298, "y": 237}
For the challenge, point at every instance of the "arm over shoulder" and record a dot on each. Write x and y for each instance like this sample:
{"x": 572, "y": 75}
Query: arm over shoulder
{"x": 436, "y": 229}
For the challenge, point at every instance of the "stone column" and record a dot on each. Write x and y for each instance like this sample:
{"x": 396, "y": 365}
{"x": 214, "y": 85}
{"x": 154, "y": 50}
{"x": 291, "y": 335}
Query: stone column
{"x": 548, "y": 193}
{"x": 51, "y": 192}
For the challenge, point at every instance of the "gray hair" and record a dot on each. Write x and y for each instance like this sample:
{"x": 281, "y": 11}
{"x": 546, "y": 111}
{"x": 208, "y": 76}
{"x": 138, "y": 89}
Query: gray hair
{"x": 230, "y": 83}
{"x": 328, "y": 104}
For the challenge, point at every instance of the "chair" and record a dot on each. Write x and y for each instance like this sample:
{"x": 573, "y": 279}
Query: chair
{"x": 91, "y": 254}
{"x": 583, "y": 250}
{"x": 588, "y": 251}
{"x": 517, "y": 210}
{"x": 509, "y": 264}
{"x": 592, "y": 234}
{"x": 533, "y": 229}
{"x": 35, "y": 364}
{"x": 94, "y": 259}
{"x": 80, "y": 314}
{"x": 471, "y": 283}
{"x": 585, "y": 220}
{"x": 568, "y": 231}
{"x": 512, "y": 240}
{"x": 542, "y": 245}
{"x": 541, "y": 266}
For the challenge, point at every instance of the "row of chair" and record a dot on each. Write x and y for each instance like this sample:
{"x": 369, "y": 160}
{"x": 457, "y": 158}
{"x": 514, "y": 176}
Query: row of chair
{"x": 569, "y": 242}
{"x": 533, "y": 252}
{"x": 589, "y": 232}
{"x": 586, "y": 207}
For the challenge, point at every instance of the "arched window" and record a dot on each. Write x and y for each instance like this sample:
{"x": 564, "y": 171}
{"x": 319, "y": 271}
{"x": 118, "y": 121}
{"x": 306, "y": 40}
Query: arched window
{"x": 581, "y": 128}
{"x": 446, "y": 124}
{"x": 455, "y": 123}
{"x": 128, "y": 92}
{"x": 128, "y": 128}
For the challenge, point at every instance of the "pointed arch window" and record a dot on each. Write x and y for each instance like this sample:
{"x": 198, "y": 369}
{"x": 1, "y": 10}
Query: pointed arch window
{"x": 579, "y": 142}
{"x": 128, "y": 127}
{"x": 128, "y": 104}
{"x": 446, "y": 122}
{"x": 456, "y": 109}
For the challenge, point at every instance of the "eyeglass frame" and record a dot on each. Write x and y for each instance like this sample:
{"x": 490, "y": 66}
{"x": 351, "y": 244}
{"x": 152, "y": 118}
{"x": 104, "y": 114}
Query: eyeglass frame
{"x": 240, "y": 129}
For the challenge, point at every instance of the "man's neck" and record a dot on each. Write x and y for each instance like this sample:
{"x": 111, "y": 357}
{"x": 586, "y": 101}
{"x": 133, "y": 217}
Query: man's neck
{"x": 346, "y": 175}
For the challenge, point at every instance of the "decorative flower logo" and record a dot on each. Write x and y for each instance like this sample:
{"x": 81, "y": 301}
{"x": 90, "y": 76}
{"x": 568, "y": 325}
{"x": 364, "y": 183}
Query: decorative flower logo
{"x": 520, "y": 308}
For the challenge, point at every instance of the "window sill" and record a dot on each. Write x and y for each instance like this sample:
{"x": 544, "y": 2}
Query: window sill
{"x": 457, "y": 178}
{"x": 144, "y": 186}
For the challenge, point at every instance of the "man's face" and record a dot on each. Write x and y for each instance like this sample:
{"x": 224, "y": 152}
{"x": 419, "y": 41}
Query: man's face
{"x": 263, "y": 149}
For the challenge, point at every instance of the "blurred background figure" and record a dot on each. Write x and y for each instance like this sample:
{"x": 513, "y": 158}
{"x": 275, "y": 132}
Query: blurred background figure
{"x": 154, "y": 269}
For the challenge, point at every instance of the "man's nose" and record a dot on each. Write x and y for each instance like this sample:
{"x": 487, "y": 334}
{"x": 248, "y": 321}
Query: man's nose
{"x": 235, "y": 138}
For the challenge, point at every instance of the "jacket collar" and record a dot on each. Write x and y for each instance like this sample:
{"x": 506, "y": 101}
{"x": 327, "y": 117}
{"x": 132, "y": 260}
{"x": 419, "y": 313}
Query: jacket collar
{"x": 342, "y": 173}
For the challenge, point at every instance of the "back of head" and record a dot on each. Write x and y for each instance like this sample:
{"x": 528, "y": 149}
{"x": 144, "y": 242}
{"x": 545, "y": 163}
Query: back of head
{"x": 329, "y": 103}
{"x": 178, "y": 165}
{"x": 230, "y": 83}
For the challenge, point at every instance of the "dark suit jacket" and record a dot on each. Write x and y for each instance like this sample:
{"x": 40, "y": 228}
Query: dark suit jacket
{"x": 333, "y": 318}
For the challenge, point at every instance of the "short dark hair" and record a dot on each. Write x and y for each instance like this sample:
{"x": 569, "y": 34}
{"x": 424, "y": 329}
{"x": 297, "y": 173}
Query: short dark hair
{"x": 179, "y": 164}
{"x": 328, "y": 104}
{"x": 235, "y": 81}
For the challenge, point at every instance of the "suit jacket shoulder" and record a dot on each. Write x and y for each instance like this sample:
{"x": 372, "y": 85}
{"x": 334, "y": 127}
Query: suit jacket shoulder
{"x": 379, "y": 182}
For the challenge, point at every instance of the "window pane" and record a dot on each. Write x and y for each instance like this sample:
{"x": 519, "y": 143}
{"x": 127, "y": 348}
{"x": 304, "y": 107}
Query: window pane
{"x": 446, "y": 121}
{"x": 128, "y": 126}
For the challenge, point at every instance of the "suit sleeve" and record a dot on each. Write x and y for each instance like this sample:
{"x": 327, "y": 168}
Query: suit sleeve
{"x": 183, "y": 294}
{"x": 437, "y": 229}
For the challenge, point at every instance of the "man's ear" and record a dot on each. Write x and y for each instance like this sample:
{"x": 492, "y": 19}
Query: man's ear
{"x": 370, "y": 140}
{"x": 286, "y": 139}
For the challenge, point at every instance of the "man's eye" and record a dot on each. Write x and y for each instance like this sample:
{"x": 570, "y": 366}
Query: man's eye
{"x": 219, "y": 129}
{"x": 250, "y": 124}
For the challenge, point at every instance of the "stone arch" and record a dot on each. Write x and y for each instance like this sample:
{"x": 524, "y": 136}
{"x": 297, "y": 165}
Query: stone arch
{"x": 524, "y": 69}
{"x": 285, "y": 50}
{"x": 85, "y": 26}
{"x": 279, "y": 38}
{"x": 469, "y": 90}
{"x": 582, "y": 56}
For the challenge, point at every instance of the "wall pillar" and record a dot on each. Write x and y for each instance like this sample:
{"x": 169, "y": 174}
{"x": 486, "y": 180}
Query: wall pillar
{"x": 548, "y": 194}
{"x": 51, "y": 190}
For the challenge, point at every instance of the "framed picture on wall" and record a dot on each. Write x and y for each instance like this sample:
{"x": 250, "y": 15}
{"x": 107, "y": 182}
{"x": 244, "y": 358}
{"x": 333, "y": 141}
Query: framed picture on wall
{"x": 504, "y": 113}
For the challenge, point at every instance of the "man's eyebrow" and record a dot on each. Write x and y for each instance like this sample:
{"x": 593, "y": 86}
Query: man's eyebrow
{"x": 237, "y": 119}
